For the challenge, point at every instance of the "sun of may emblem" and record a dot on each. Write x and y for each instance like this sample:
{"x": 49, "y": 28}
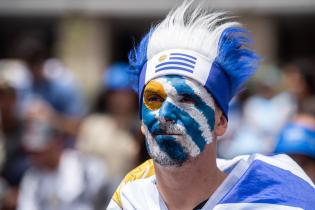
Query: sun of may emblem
{"x": 162, "y": 58}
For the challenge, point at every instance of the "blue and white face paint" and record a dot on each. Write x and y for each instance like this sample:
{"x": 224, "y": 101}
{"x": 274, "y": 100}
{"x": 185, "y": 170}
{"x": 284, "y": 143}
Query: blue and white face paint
{"x": 178, "y": 116}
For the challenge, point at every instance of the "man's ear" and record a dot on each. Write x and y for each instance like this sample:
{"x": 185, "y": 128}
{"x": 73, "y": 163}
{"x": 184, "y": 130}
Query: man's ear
{"x": 220, "y": 123}
{"x": 142, "y": 128}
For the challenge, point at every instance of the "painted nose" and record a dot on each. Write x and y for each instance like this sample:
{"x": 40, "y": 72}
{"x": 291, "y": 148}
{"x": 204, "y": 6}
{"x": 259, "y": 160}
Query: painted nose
{"x": 167, "y": 112}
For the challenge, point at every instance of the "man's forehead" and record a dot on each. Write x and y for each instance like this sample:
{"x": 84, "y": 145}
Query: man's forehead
{"x": 178, "y": 85}
{"x": 176, "y": 80}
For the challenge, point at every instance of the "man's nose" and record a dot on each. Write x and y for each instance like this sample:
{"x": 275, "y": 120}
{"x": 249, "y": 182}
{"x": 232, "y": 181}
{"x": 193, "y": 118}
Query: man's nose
{"x": 167, "y": 112}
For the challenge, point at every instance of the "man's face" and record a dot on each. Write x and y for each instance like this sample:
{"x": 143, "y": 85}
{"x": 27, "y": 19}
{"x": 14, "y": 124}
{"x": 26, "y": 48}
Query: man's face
{"x": 178, "y": 119}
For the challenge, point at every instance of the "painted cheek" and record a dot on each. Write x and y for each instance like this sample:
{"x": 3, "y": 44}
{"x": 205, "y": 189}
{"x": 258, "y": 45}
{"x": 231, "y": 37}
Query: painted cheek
{"x": 193, "y": 130}
{"x": 148, "y": 118}
{"x": 191, "y": 125}
{"x": 208, "y": 112}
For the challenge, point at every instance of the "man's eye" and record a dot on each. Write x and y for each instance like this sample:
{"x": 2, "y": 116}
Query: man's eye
{"x": 187, "y": 100}
{"x": 155, "y": 98}
{"x": 153, "y": 101}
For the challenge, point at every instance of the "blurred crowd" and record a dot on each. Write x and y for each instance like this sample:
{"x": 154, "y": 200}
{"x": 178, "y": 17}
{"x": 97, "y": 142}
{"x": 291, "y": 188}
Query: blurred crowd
{"x": 277, "y": 116}
{"x": 55, "y": 151}
{"x": 58, "y": 152}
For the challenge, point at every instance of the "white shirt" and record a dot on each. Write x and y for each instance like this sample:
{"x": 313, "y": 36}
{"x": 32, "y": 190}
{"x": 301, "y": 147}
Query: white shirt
{"x": 254, "y": 182}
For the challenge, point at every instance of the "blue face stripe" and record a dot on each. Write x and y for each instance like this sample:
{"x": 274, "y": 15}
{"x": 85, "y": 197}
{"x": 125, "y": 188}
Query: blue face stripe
{"x": 182, "y": 54}
{"x": 183, "y": 59}
{"x": 174, "y": 68}
{"x": 148, "y": 117}
{"x": 265, "y": 183}
{"x": 179, "y": 63}
{"x": 183, "y": 88}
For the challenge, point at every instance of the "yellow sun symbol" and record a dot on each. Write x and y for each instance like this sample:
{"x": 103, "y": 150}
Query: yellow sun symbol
{"x": 162, "y": 58}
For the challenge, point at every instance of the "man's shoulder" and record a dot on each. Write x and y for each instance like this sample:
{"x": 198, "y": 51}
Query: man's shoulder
{"x": 251, "y": 162}
{"x": 280, "y": 162}
{"x": 276, "y": 180}
{"x": 143, "y": 171}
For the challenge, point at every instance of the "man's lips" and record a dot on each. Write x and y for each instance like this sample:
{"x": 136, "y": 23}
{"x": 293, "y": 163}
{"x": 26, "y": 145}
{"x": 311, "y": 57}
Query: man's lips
{"x": 166, "y": 130}
{"x": 166, "y": 134}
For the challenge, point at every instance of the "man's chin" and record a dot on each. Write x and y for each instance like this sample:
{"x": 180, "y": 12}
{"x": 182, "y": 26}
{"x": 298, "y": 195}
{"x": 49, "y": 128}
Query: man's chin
{"x": 166, "y": 161}
{"x": 166, "y": 151}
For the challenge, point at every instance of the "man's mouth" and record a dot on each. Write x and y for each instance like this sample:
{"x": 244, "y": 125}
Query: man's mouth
{"x": 167, "y": 129}
{"x": 166, "y": 134}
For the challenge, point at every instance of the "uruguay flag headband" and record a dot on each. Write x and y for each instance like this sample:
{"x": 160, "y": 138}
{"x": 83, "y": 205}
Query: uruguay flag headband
{"x": 189, "y": 64}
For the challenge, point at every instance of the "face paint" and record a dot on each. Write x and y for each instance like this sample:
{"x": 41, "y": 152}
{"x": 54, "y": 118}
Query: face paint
{"x": 178, "y": 117}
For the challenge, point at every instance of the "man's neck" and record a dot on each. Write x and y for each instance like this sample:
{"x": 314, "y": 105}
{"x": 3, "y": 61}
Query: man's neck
{"x": 194, "y": 182}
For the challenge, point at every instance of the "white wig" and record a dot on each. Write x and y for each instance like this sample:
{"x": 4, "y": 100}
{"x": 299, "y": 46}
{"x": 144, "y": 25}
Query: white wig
{"x": 189, "y": 28}
{"x": 224, "y": 43}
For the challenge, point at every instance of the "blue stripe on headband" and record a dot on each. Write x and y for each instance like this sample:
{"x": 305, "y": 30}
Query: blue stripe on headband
{"x": 179, "y": 63}
{"x": 185, "y": 55}
{"x": 174, "y": 68}
{"x": 183, "y": 59}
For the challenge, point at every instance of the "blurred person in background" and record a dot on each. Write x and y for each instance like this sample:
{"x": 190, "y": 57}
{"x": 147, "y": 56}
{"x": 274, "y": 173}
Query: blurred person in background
{"x": 299, "y": 80}
{"x": 268, "y": 110}
{"x": 297, "y": 138}
{"x": 59, "y": 179}
{"x": 117, "y": 99}
{"x": 262, "y": 116}
{"x": 14, "y": 160}
{"x": 53, "y": 84}
{"x": 112, "y": 130}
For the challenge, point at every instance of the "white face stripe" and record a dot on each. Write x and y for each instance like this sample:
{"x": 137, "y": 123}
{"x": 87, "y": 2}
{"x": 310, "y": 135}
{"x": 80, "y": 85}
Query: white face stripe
{"x": 188, "y": 144}
{"x": 201, "y": 92}
{"x": 153, "y": 147}
{"x": 168, "y": 87}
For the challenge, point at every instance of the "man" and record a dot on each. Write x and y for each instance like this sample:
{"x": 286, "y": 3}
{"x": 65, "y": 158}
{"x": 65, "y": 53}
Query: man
{"x": 58, "y": 179}
{"x": 189, "y": 67}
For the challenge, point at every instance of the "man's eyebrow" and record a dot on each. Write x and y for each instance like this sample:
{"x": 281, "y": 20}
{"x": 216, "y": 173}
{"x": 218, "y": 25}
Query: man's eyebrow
{"x": 152, "y": 90}
{"x": 188, "y": 94}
